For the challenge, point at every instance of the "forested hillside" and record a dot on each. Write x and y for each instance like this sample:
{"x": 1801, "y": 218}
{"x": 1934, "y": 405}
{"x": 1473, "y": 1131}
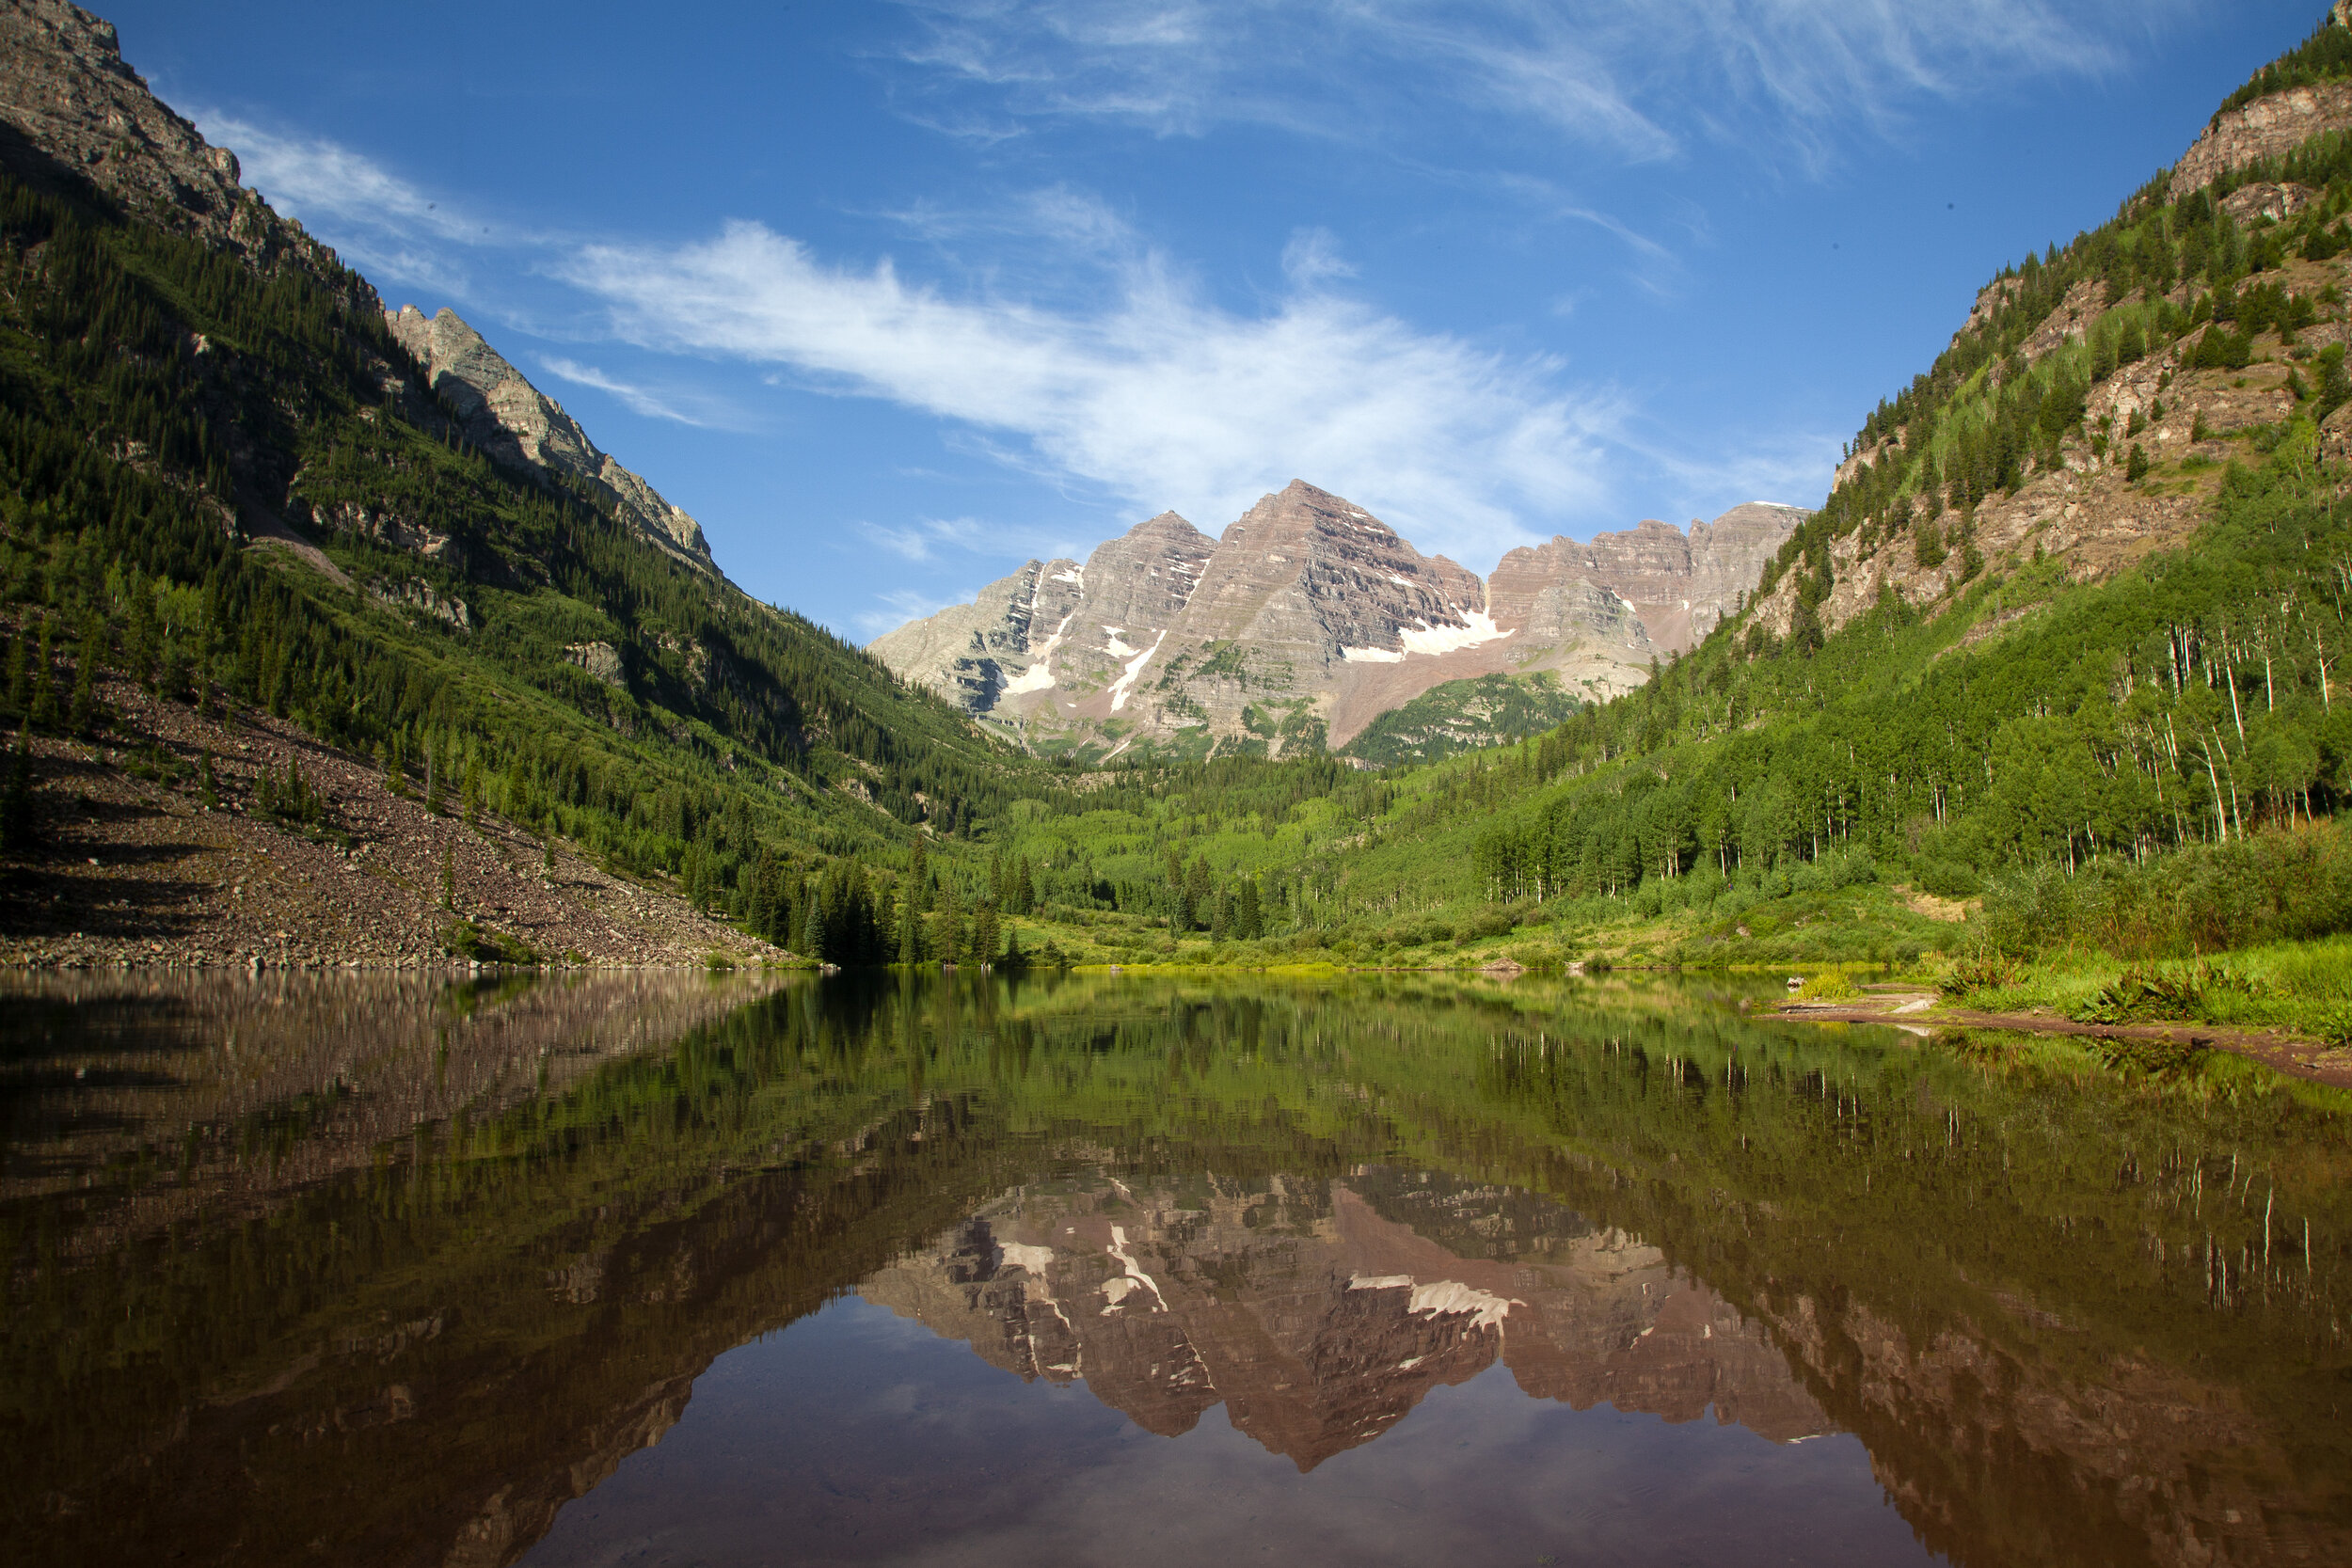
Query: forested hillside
{"x": 226, "y": 483}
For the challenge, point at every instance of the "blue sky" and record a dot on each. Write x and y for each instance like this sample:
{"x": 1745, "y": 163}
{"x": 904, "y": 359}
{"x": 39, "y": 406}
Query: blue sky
{"x": 892, "y": 296}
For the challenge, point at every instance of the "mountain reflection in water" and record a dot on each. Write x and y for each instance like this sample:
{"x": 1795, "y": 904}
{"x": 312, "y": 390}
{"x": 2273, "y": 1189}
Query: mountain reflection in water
{"x": 1320, "y": 1312}
{"x": 382, "y": 1271}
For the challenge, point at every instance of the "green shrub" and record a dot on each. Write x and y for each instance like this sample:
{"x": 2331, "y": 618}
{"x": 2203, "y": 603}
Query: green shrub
{"x": 1831, "y": 985}
{"x": 466, "y": 939}
{"x": 1982, "y": 971}
{"x": 2141, "y": 993}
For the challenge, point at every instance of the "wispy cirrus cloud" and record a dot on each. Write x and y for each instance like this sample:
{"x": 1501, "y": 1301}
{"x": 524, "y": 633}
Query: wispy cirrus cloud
{"x": 384, "y": 223}
{"x": 898, "y": 607}
{"x": 929, "y": 539}
{"x": 638, "y": 398}
{"x": 1133, "y": 386}
{"x": 1639, "y": 78}
{"x": 1160, "y": 398}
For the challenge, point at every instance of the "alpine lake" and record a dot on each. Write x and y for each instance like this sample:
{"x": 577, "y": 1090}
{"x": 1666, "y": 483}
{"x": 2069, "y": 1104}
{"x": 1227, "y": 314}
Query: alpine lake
{"x": 675, "y": 1269}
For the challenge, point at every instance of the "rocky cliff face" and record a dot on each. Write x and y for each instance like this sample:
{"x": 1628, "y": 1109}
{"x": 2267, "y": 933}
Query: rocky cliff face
{"x": 67, "y": 99}
{"x": 1308, "y": 619}
{"x": 1054, "y": 632}
{"x": 1319, "y": 1314}
{"x": 521, "y": 427}
{"x": 1678, "y": 585}
{"x": 2264, "y": 128}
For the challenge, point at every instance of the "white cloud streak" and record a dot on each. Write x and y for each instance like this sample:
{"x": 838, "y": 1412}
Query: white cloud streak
{"x": 898, "y": 607}
{"x": 635, "y": 398}
{"x": 1162, "y": 398}
{"x": 1637, "y": 77}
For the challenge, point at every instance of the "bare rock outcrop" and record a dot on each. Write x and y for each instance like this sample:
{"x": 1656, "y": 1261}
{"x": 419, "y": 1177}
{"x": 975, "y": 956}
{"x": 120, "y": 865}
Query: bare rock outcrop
{"x": 1680, "y": 585}
{"x": 1055, "y": 633}
{"x": 2266, "y": 128}
{"x": 971, "y": 653}
{"x": 519, "y": 426}
{"x": 67, "y": 98}
{"x": 1311, "y": 617}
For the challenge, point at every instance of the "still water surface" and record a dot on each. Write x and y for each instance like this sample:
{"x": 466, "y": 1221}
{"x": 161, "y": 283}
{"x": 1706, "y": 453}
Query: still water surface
{"x": 669, "y": 1271}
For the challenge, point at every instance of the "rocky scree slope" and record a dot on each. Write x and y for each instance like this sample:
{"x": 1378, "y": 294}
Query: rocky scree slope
{"x": 1308, "y": 618}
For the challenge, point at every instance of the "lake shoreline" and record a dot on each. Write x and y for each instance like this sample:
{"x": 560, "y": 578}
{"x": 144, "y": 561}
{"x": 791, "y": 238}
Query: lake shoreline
{"x": 2298, "y": 1056}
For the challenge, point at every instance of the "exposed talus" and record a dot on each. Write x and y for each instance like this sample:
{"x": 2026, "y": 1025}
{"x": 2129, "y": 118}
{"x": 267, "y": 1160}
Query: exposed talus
{"x": 516, "y": 424}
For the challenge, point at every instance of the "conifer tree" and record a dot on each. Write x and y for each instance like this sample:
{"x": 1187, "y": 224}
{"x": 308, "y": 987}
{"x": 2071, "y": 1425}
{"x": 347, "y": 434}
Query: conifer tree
{"x": 20, "y": 676}
{"x": 16, "y": 802}
{"x": 1196, "y": 892}
{"x": 910, "y": 929}
{"x": 43, "y": 704}
{"x": 142, "y": 642}
{"x": 435, "y": 779}
{"x": 948, "y": 924}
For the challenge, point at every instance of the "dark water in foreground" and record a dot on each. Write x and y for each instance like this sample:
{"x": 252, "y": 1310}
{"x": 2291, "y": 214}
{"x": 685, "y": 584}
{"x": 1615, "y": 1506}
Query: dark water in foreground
{"x": 674, "y": 1271}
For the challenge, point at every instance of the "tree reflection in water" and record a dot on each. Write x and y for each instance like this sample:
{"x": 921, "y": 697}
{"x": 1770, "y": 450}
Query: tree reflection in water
{"x": 394, "y": 1271}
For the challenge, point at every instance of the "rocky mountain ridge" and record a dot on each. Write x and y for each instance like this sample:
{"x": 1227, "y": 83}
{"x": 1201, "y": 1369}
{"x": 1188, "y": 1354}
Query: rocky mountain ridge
{"x": 67, "y": 98}
{"x": 67, "y": 94}
{"x": 522, "y": 427}
{"x": 1309, "y": 618}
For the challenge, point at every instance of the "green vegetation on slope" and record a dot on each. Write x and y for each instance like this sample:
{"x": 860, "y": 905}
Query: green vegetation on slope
{"x": 2161, "y": 743}
{"x": 1463, "y": 716}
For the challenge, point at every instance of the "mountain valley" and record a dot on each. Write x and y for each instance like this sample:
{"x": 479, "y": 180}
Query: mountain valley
{"x": 2048, "y": 615}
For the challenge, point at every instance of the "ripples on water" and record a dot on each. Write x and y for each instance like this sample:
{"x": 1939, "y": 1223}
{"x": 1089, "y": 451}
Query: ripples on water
{"x": 676, "y": 1270}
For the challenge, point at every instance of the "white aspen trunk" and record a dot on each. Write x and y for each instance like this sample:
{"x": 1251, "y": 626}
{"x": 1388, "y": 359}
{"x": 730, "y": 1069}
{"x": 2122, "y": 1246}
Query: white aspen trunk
{"x": 2220, "y": 818}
